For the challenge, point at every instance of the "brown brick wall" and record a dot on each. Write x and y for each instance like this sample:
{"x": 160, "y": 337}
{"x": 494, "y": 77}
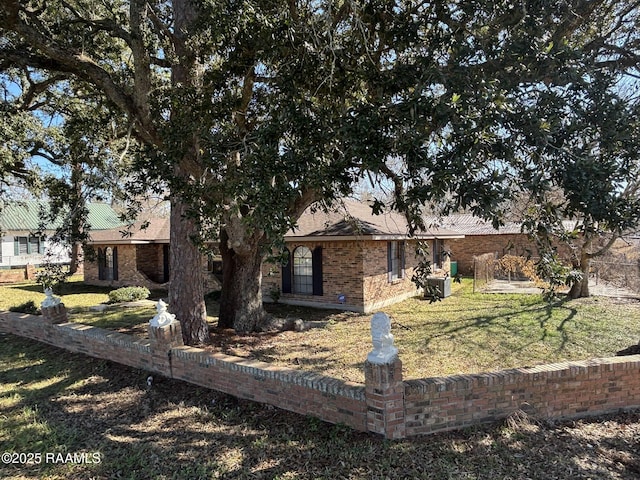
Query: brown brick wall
{"x": 378, "y": 291}
{"x": 464, "y": 249}
{"x": 150, "y": 261}
{"x": 128, "y": 273}
{"x": 385, "y": 404}
{"x": 356, "y": 269}
{"x": 564, "y": 390}
{"x": 341, "y": 274}
{"x": 13, "y": 275}
{"x": 306, "y": 393}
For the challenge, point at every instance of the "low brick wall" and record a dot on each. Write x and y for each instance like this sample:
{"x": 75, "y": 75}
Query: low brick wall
{"x": 13, "y": 275}
{"x": 561, "y": 390}
{"x": 386, "y": 404}
{"x": 75, "y": 337}
{"x": 306, "y": 393}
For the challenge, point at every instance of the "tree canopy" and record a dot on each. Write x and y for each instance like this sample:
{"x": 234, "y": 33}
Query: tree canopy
{"x": 252, "y": 110}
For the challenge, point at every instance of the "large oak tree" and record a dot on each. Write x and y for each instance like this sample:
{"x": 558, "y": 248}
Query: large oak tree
{"x": 253, "y": 110}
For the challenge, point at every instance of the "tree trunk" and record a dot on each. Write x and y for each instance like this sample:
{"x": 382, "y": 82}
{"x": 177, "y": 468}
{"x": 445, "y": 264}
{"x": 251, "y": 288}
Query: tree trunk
{"x": 581, "y": 289}
{"x": 74, "y": 260}
{"x": 241, "y": 299}
{"x": 186, "y": 290}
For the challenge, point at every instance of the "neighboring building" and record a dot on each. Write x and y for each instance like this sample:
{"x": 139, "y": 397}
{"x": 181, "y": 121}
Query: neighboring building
{"x": 353, "y": 260}
{"x": 136, "y": 256}
{"x": 25, "y": 241}
{"x": 479, "y": 237}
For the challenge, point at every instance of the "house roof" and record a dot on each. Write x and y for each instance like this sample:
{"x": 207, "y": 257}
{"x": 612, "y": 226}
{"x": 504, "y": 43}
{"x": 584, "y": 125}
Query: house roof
{"x": 156, "y": 231}
{"x": 468, "y": 225}
{"x": 25, "y": 216}
{"x": 355, "y": 220}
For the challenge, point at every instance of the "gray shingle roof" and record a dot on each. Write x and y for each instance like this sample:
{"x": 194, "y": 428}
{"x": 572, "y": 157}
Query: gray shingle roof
{"x": 355, "y": 219}
{"x": 156, "y": 231}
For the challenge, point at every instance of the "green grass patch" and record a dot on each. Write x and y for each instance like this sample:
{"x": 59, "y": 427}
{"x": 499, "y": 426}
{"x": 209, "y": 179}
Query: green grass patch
{"x": 465, "y": 333}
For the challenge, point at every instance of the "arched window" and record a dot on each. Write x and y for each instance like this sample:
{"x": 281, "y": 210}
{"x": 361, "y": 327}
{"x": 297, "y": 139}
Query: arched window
{"x": 302, "y": 271}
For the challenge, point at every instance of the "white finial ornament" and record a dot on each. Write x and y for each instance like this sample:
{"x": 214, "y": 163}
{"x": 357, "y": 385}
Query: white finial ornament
{"x": 162, "y": 318}
{"x": 51, "y": 300}
{"x": 383, "y": 349}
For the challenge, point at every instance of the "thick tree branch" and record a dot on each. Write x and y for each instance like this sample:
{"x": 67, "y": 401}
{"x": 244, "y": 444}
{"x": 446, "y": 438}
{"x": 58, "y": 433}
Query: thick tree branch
{"x": 79, "y": 64}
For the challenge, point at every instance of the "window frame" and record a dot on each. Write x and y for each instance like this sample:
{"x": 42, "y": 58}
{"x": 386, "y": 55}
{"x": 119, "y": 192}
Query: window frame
{"x": 302, "y": 283}
{"x": 395, "y": 260}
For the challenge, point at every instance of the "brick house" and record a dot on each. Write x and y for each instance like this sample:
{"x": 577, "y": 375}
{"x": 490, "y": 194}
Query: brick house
{"x": 352, "y": 260}
{"x": 479, "y": 237}
{"x": 140, "y": 257}
{"x": 348, "y": 259}
{"x": 135, "y": 257}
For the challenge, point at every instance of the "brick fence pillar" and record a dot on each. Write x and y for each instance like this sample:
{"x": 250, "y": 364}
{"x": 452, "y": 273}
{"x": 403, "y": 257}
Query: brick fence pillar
{"x": 162, "y": 340}
{"x": 54, "y": 314}
{"x": 384, "y": 391}
{"x": 29, "y": 272}
{"x": 384, "y": 388}
{"x": 165, "y": 333}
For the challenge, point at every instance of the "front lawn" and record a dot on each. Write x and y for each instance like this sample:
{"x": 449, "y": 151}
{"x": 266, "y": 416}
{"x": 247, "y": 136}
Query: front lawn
{"x": 465, "y": 333}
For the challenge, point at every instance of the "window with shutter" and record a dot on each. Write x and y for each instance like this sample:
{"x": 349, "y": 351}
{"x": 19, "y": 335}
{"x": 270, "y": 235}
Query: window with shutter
{"x": 302, "y": 271}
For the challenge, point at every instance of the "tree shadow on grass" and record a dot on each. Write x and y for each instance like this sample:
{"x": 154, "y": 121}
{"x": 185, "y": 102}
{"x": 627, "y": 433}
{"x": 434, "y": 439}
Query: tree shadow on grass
{"x": 176, "y": 430}
{"x": 479, "y": 332}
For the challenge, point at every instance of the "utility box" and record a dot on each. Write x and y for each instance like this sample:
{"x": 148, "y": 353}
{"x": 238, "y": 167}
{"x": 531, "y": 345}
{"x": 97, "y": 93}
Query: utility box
{"x": 443, "y": 284}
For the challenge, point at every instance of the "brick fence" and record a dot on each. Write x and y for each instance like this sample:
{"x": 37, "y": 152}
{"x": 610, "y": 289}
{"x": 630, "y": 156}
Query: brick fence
{"x": 386, "y": 404}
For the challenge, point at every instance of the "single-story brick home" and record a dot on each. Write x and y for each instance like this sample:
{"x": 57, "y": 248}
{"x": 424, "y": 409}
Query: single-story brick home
{"x": 352, "y": 260}
{"x": 132, "y": 256}
{"x": 348, "y": 259}
{"x": 479, "y": 237}
{"x": 135, "y": 256}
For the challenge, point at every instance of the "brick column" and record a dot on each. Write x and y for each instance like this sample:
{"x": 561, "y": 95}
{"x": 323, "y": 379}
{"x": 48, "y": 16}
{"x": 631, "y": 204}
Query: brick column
{"x": 162, "y": 340}
{"x": 55, "y": 314}
{"x": 384, "y": 391}
{"x": 30, "y": 272}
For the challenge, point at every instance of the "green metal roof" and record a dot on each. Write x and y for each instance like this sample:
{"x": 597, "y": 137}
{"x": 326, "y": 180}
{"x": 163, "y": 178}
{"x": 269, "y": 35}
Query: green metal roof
{"x": 25, "y": 216}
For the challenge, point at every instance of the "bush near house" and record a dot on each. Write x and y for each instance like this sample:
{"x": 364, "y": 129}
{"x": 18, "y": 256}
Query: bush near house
{"x": 128, "y": 294}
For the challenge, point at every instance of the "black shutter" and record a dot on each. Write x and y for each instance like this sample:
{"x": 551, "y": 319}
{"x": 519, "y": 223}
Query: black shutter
{"x": 115, "y": 263}
{"x": 101, "y": 263}
{"x": 285, "y": 271}
{"x": 401, "y": 246}
{"x": 389, "y": 263}
{"x": 316, "y": 265}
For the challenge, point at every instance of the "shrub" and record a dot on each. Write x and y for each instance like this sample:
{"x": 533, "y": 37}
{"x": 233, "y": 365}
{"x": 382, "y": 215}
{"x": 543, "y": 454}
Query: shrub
{"x": 52, "y": 275}
{"x": 128, "y": 294}
{"x": 26, "y": 307}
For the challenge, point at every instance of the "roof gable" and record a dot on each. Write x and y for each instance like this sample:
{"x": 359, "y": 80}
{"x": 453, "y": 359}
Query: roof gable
{"x": 354, "y": 219}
